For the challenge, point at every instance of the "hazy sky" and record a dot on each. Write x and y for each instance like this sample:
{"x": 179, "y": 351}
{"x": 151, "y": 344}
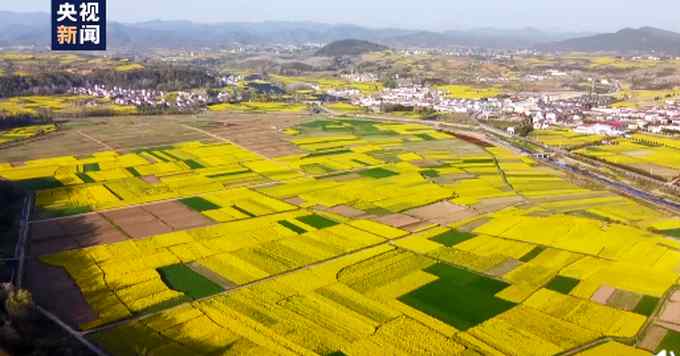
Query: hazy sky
{"x": 568, "y": 15}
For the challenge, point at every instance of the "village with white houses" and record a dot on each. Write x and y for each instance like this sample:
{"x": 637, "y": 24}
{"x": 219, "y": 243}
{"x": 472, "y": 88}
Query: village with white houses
{"x": 583, "y": 113}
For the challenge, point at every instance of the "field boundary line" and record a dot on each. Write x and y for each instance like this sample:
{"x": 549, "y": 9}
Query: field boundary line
{"x": 220, "y": 138}
{"x": 97, "y": 141}
{"x": 386, "y": 242}
{"x": 77, "y": 335}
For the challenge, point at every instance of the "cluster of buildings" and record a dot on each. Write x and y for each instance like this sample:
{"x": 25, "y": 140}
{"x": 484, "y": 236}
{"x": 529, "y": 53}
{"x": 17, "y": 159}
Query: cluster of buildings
{"x": 144, "y": 97}
{"x": 415, "y": 96}
{"x": 343, "y": 93}
{"x": 360, "y": 77}
{"x": 548, "y": 74}
{"x": 231, "y": 80}
{"x": 587, "y": 114}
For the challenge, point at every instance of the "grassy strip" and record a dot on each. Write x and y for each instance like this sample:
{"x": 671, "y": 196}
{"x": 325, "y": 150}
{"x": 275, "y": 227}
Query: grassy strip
{"x": 317, "y": 221}
{"x": 165, "y": 152}
{"x": 430, "y": 173}
{"x": 671, "y": 233}
{"x": 134, "y": 171}
{"x": 647, "y": 306}
{"x": 671, "y": 342}
{"x": 562, "y": 284}
{"x": 483, "y": 160}
{"x": 40, "y": 183}
{"x": 183, "y": 279}
{"x": 229, "y": 174}
{"x": 193, "y": 164}
{"x": 91, "y": 167}
{"x": 157, "y": 155}
{"x": 329, "y": 153}
{"x": 290, "y": 226}
{"x": 378, "y": 173}
{"x": 459, "y": 298}
{"x": 246, "y": 212}
{"x": 532, "y": 254}
{"x": 452, "y": 238}
{"x": 199, "y": 204}
{"x": 85, "y": 178}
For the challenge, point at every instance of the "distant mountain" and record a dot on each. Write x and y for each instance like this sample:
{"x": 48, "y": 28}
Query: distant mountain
{"x": 32, "y": 29}
{"x": 628, "y": 40}
{"x": 349, "y": 48}
{"x": 24, "y": 29}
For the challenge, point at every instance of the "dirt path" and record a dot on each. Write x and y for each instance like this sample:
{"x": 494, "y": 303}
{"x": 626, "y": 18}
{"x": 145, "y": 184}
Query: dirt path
{"x": 205, "y": 133}
{"x": 99, "y": 142}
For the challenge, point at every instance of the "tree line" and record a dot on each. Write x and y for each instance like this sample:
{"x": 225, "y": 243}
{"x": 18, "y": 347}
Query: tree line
{"x": 159, "y": 77}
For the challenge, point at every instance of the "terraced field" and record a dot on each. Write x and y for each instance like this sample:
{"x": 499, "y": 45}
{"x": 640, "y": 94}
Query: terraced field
{"x": 370, "y": 239}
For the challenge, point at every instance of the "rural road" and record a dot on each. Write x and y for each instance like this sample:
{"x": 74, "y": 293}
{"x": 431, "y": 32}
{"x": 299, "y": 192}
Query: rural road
{"x": 20, "y": 249}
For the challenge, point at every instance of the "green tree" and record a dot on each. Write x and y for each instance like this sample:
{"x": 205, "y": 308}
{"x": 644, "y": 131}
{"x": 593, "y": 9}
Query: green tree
{"x": 19, "y": 304}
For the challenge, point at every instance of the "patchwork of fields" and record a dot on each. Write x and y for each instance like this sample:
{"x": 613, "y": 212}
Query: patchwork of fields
{"x": 22, "y": 133}
{"x": 62, "y": 105}
{"x": 367, "y": 239}
{"x": 564, "y": 138}
{"x": 654, "y": 155}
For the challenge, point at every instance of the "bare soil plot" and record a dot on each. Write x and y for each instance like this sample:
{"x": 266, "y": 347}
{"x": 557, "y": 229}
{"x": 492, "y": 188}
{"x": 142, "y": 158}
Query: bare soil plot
{"x": 52, "y": 236}
{"x": 62, "y": 143}
{"x": 343, "y": 178}
{"x": 427, "y": 163}
{"x": 603, "y": 294}
{"x": 665, "y": 172}
{"x": 669, "y": 326}
{"x": 151, "y": 179}
{"x": 653, "y": 338}
{"x": 624, "y": 300}
{"x": 397, "y": 220}
{"x": 346, "y": 211}
{"x": 473, "y": 224}
{"x": 177, "y": 215}
{"x": 137, "y": 222}
{"x": 675, "y": 297}
{"x": 450, "y": 219}
{"x": 442, "y": 213}
{"x": 435, "y": 210}
{"x": 261, "y": 133}
{"x": 453, "y": 178}
{"x": 504, "y": 267}
{"x": 295, "y": 201}
{"x": 417, "y": 226}
{"x": 670, "y": 313}
{"x": 495, "y": 204}
{"x": 127, "y": 133}
{"x": 84, "y": 136}
{"x": 53, "y": 289}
